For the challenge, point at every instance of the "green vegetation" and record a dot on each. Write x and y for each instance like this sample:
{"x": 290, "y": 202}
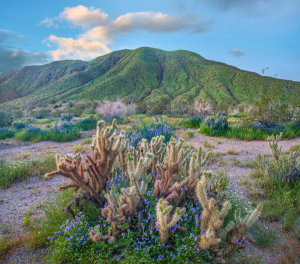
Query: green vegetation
{"x": 278, "y": 182}
{"x": 5, "y": 119}
{"x": 157, "y": 127}
{"x": 244, "y": 133}
{"x": 55, "y": 216}
{"x": 7, "y": 133}
{"x": 20, "y": 170}
{"x": 188, "y": 134}
{"x": 264, "y": 236}
{"x": 153, "y": 78}
{"x": 59, "y": 135}
{"x": 193, "y": 122}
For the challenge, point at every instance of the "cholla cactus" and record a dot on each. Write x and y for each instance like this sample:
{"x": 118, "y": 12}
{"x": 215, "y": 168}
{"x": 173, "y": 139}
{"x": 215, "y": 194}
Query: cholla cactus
{"x": 166, "y": 186}
{"x": 121, "y": 206}
{"x": 197, "y": 162}
{"x": 136, "y": 169}
{"x": 157, "y": 147}
{"x": 126, "y": 202}
{"x": 211, "y": 218}
{"x": 273, "y": 144}
{"x": 165, "y": 221}
{"x": 92, "y": 175}
{"x": 238, "y": 230}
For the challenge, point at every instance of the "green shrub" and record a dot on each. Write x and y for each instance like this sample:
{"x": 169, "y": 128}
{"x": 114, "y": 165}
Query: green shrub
{"x": 5, "y": 119}
{"x": 16, "y": 171}
{"x": 244, "y": 133}
{"x": 193, "y": 122}
{"x": 64, "y": 133}
{"x": 216, "y": 123}
{"x": 86, "y": 124}
{"x": 148, "y": 131}
{"x": 7, "y": 133}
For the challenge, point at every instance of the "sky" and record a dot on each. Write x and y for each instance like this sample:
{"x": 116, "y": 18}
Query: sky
{"x": 262, "y": 36}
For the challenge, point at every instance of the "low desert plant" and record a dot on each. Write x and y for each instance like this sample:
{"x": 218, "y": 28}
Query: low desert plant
{"x": 188, "y": 134}
{"x": 5, "y": 119}
{"x": 58, "y": 133}
{"x": 114, "y": 109}
{"x": 20, "y": 170}
{"x": 216, "y": 123}
{"x": 147, "y": 131}
{"x": 193, "y": 122}
{"x": 7, "y": 133}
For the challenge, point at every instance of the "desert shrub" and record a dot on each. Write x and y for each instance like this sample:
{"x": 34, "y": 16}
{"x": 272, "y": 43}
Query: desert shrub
{"x": 7, "y": 132}
{"x": 181, "y": 106}
{"x": 31, "y": 134}
{"x": 157, "y": 127}
{"x": 158, "y": 204}
{"x": 111, "y": 110}
{"x": 202, "y": 109}
{"x": 5, "y": 119}
{"x": 63, "y": 133}
{"x": 77, "y": 109}
{"x": 19, "y": 125}
{"x": 249, "y": 133}
{"x": 86, "y": 124}
{"x": 67, "y": 117}
{"x": 193, "y": 122}
{"x": 58, "y": 133}
{"x": 216, "y": 123}
{"x": 269, "y": 110}
{"x": 188, "y": 134}
{"x": 16, "y": 171}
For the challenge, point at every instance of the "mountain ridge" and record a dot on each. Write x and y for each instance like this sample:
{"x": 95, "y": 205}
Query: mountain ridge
{"x": 141, "y": 75}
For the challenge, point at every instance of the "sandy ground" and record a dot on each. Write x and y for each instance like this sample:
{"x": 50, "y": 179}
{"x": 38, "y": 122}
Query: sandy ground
{"x": 31, "y": 194}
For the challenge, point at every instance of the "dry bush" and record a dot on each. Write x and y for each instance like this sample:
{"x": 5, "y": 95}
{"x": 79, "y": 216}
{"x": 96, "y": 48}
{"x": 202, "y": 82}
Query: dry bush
{"x": 115, "y": 109}
{"x": 202, "y": 109}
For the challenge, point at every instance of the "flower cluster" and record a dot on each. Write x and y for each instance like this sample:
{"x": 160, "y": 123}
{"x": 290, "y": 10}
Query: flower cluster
{"x": 147, "y": 131}
{"x": 75, "y": 233}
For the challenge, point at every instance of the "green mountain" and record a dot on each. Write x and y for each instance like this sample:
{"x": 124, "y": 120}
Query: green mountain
{"x": 140, "y": 75}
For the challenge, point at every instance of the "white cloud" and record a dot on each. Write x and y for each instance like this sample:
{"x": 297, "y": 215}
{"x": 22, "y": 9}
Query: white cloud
{"x": 83, "y": 49}
{"x": 83, "y": 16}
{"x": 102, "y": 30}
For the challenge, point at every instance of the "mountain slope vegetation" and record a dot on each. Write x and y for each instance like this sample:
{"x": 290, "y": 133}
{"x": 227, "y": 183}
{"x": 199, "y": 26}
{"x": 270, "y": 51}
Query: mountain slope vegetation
{"x": 140, "y": 75}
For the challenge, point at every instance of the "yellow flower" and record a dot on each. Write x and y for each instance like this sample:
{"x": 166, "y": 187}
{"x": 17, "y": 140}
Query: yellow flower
{"x": 218, "y": 183}
{"x": 217, "y": 190}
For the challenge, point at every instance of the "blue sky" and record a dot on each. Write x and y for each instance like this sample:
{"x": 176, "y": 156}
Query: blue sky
{"x": 252, "y": 35}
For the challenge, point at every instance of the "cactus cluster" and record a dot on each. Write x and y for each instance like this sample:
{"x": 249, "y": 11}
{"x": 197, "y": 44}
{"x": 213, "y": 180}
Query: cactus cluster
{"x": 173, "y": 173}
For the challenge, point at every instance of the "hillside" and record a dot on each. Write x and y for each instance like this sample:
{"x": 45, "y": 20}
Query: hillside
{"x": 143, "y": 74}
